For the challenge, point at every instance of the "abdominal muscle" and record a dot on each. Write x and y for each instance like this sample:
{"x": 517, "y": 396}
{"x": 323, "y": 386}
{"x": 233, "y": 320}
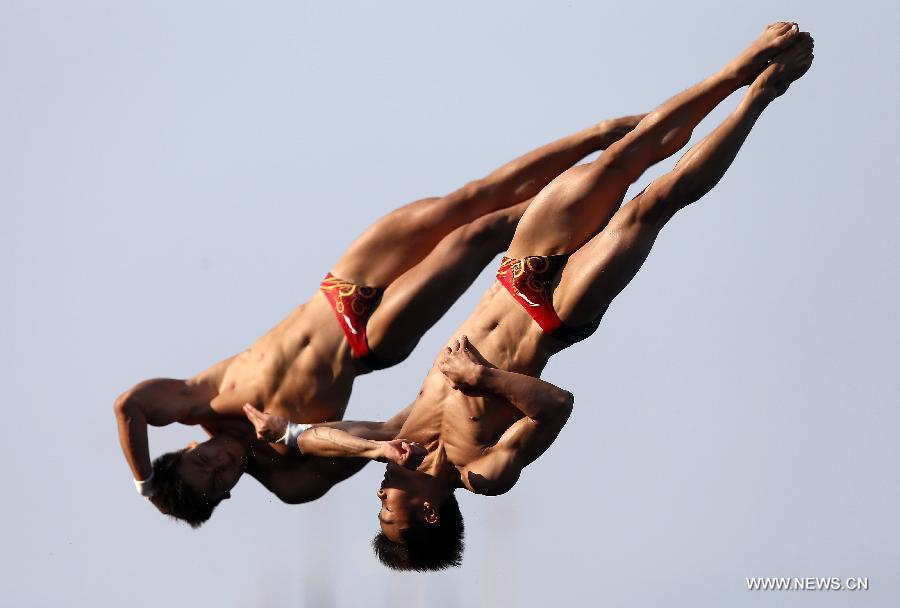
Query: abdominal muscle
{"x": 301, "y": 369}
{"x": 464, "y": 427}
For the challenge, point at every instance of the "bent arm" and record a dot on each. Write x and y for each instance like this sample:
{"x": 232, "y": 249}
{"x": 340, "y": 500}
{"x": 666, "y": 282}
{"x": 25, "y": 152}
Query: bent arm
{"x": 536, "y": 398}
{"x": 132, "y": 423}
{"x": 547, "y": 409}
{"x": 342, "y": 439}
{"x": 156, "y": 402}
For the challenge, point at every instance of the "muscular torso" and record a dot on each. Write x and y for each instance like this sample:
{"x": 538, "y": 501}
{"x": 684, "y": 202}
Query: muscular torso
{"x": 456, "y": 429}
{"x": 301, "y": 369}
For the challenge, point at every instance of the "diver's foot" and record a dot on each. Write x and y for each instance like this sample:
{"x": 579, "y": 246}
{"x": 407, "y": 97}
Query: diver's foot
{"x": 774, "y": 39}
{"x": 786, "y": 67}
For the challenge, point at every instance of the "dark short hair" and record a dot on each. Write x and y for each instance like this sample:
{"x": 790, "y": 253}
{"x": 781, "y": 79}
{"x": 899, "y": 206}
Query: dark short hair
{"x": 176, "y": 498}
{"x": 425, "y": 546}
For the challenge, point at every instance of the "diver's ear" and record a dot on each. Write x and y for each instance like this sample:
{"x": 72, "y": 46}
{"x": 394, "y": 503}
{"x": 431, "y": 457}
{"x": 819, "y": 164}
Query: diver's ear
{"x": 192, "y": 445}
{"x": 430, "y": 513}
{"x": 227, "y": 495}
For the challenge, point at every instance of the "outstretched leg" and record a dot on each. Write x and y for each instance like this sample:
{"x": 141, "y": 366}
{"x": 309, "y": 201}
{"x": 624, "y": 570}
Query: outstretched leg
{"x": 401, "y": 239}
{"x": 597, "y": 272}
{"x": 420, "y": 296}
{"x": 579, "y": 203}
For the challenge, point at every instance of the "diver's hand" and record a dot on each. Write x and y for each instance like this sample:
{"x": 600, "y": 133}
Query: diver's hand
{"x": 402, "y": 453}
{"x": 268, "y": 427}
{"x": 460, "y": 365}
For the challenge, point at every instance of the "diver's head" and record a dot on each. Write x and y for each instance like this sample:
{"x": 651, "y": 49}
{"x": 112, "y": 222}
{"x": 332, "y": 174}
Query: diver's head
{"x": 188, "y": 484}
{"x": 421, "y": 525}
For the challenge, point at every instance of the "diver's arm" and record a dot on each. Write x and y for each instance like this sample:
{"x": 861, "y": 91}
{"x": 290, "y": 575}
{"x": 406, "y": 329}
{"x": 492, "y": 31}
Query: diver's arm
{"x": 328, "y": 441}
{"x": 546, "y": 409}
{"x": 133, "y": 436}
{"x": 537, "y": 399}
{"x": 325, "y": 441}
{"x": 366, "y": 429}
{"x": 363, "y": 429}
{"x": 498, "y": 470}
{"x": 156, "y": 402}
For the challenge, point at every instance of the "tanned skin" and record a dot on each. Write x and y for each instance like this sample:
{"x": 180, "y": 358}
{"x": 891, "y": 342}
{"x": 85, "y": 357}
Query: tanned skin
{"x": 483, "y": 414}
{"x": 424, "y": 254}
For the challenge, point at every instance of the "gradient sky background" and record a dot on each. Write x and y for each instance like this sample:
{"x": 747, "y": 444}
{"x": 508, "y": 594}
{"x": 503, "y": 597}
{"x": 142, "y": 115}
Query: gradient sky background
{"x": 176, "y": 177}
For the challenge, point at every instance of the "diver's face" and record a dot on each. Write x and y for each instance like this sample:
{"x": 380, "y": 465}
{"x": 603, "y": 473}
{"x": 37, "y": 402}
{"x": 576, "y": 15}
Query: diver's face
{"x": 213, "y": 467}
{"x": 403, "y": 497}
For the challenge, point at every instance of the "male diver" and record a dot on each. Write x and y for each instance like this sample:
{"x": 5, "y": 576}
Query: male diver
{"x": 482, "y": 414}
{"x": 390, "y": 286}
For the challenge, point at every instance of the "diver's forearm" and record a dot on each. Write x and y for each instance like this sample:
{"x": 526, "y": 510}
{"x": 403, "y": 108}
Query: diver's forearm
{"x": 329, "y": 442}
{"x": 133, "y": 438}
{"x": 364, "y": 429}
{"x": 532, "y": 396}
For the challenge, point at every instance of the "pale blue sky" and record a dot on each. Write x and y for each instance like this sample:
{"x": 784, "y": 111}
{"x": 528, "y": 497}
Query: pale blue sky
{"x": 175, "y": 177}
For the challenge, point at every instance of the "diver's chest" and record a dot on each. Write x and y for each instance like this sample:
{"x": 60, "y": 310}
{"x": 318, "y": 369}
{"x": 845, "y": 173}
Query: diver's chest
{"x": 471, "y": 424}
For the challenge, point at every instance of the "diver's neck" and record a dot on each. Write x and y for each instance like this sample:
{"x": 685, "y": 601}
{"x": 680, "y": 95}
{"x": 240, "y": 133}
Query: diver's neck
{"x": 437, "y": 465}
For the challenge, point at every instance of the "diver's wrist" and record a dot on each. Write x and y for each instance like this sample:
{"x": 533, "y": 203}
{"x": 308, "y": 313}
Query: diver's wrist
{"x": 478, "y": 375}
{"x": 377, "y": 451}
{"x": 292, "y": 435}
{"x": 144, "y": 487}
